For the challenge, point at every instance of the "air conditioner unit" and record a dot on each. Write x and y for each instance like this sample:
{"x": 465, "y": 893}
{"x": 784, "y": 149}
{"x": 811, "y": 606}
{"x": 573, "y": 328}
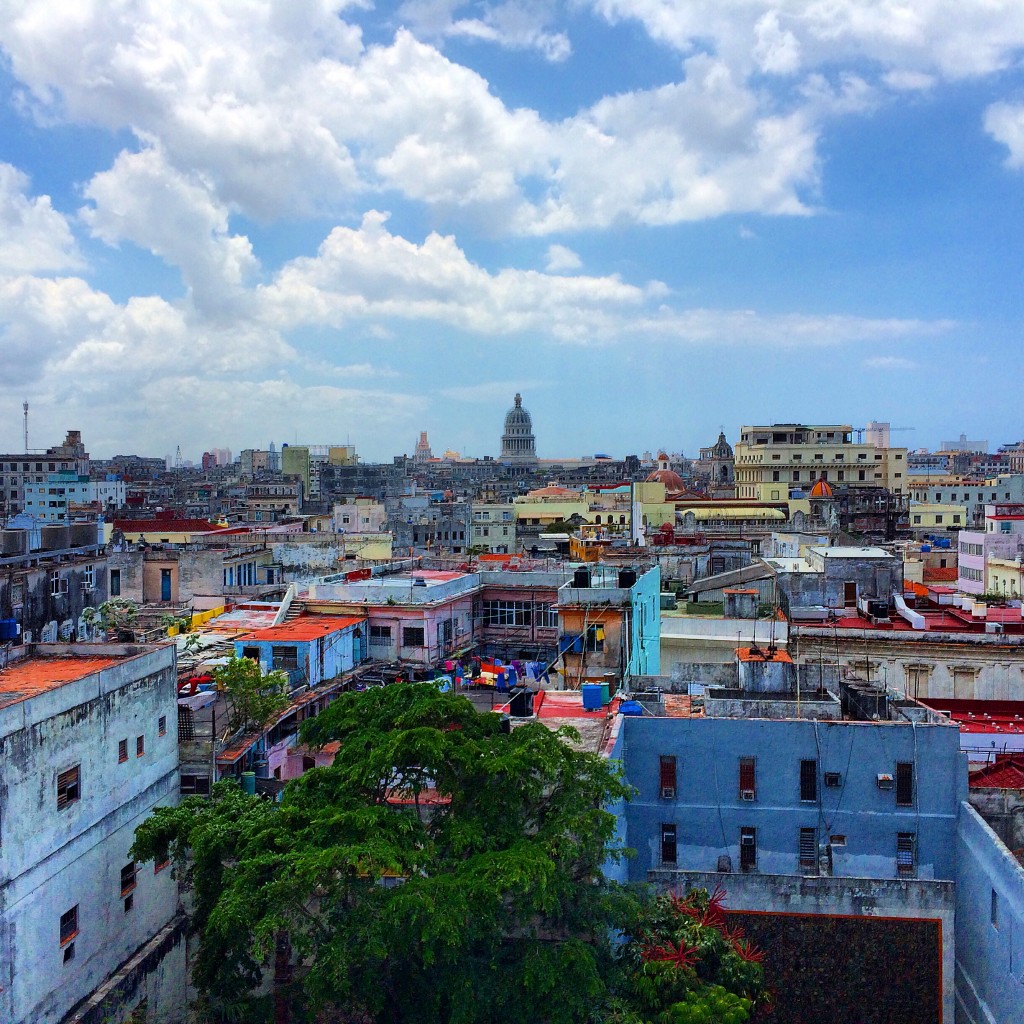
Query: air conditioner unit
{"x": 746, "y": 840}
{"x": 833, "y": 779}
{"x": 746, "y": 794}
{"x": 668, "y": 792}
{"x": 884, "y": 781}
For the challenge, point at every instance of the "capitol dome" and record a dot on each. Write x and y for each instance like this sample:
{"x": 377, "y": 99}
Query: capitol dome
{"x": 517, "y": 442}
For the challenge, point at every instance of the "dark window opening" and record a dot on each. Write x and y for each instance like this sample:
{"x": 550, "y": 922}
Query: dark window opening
{"x": 668, "y": 844}
{"x": 809, "y": 780}
{"x": 69, "y": 925}
{"x": 122, "y": 751}
{"x": 68, "y": 788}
{"x": 905, "y": 783}
{"x": 748, "y": 849}
{"x": 129, "y": 874}
{"x": 747, "y": 778}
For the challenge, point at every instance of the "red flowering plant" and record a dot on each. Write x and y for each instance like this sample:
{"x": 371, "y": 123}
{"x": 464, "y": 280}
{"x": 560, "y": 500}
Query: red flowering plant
{"x": 682, "y": 962}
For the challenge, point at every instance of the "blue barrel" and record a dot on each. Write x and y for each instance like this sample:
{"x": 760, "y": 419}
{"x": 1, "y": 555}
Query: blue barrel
{"x": 592, "y": 697}
{"x": 631, "y": 707}
{"x": 8, "y": 629}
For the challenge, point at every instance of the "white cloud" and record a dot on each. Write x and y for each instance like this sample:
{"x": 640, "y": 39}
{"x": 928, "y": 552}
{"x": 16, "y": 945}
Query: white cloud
{"x": 889, "y": 363}
{"x": 1005, "y": 123}
{"x": 33, "y": 235}
{"x": 514, "y": 25}
{"x": 560, "y": 258}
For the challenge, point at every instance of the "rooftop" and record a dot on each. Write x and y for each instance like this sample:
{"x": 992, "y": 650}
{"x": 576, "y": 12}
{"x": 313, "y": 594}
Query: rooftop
{"x": 37, "y": 674}
{"x": 306, "y": 627}
{"x": 982, "y": 716}
{"x": 1006, "y": 773}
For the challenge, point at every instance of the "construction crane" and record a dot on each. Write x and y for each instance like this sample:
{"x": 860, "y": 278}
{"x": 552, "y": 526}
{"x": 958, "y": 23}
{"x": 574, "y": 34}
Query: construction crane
{"x": 859, "y": 431}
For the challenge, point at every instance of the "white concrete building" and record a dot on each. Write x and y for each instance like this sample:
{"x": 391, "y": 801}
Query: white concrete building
{"x": 88, "y": 747}
{"x": 494, "y": 528}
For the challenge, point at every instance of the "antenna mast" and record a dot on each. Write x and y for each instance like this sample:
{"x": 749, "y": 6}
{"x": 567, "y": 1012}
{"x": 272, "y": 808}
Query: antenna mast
{"x": 24, "y": 406}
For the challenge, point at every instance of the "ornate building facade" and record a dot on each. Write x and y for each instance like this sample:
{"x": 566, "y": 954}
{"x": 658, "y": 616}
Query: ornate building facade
{"x": 518, "y": 445}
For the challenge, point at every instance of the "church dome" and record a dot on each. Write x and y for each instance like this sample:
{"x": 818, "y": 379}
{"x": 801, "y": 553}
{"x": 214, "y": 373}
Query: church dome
{"x": 821, "y": 489}
{"x": 672, "y": 480}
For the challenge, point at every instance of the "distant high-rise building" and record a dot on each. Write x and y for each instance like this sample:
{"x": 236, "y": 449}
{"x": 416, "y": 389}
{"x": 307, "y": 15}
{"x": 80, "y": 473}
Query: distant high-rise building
{"x": 518, "y": 445}
{"x": 423, "y": 452}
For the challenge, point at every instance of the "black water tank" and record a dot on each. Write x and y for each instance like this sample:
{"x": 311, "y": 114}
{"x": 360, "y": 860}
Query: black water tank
{"x": 520, "y": 704}
{"x": 581, "y": 579}
{"x": 627, "y": 578}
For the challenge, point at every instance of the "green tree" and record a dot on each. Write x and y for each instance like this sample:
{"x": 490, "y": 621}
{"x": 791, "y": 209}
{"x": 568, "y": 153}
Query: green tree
{"x": 254, "y": 699}
{"x": 683, "y": 964}
{"x": 442, "y": 870}
{"x": 118, "y": 615}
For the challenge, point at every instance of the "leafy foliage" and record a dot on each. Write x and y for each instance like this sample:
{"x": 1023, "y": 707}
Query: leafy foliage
{"x": 683, "y": 964}
{"x": 442, "y": 870}
{"x": 118, "y": 615}
{"x": 255, "y": 699}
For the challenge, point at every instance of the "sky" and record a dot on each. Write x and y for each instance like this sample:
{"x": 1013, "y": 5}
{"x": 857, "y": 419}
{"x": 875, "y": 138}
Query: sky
{"x": 229, "y": 222}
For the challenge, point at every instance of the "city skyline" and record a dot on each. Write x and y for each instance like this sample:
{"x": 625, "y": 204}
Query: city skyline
{"x": 326, "y": 222}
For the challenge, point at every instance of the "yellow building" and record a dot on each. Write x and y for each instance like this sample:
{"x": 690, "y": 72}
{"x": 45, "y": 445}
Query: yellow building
{"x": 650, "y": 503}
{"x": 777, "y": 461}
{"x": 924, "y": 516}
{"x": 1004, "y": 576}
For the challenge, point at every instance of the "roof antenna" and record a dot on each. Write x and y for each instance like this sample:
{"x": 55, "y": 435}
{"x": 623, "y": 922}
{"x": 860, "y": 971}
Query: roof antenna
{"x": 24, "y": 406}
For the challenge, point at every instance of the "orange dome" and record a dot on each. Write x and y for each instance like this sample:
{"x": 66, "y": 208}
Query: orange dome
{"x": 821, "y": 489}
{"x": 673, "y": 481}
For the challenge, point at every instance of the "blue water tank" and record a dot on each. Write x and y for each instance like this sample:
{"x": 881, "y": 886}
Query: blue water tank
{"x": 8, "y": 629}
{"x": 592, "y": 696}
{"x": 631, "y": 707}
{"x": 926, "y": 547}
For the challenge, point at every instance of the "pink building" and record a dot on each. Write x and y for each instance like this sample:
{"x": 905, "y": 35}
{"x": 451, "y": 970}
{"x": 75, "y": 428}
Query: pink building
{"x": 1002, "y": 536}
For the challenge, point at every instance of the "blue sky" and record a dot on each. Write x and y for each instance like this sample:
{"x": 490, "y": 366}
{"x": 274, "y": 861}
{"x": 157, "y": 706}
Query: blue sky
{"x": 226, "y": 223}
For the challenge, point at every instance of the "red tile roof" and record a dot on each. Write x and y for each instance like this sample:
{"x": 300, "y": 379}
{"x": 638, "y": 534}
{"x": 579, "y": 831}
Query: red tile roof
{"x": 940, "y": 575}
{"x": 306, "y": 627}
{"x": 1007, "y": 773}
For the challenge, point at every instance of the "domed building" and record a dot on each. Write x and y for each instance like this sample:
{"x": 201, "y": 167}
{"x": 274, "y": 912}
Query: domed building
{"x": 518, "y": 445}
{"x": 718, "y": 465}
{"x": 674, "y": 483}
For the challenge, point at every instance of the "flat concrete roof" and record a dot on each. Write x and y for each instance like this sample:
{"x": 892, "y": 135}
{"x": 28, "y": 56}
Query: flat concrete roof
{"x": 33, "y": 675}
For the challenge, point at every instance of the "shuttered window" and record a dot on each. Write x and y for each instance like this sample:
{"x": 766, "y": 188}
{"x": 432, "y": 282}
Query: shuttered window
{"x": 747, "y": 776}
{"x": 68, "y": 788}
{"x": 809, "y": 780}
{"x": 808, "y": 847}
{"x": 905, "y": 783}
{"x": 667, "y": 777}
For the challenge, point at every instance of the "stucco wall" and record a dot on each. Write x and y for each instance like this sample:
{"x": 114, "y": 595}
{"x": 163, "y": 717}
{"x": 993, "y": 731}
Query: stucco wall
{"x": 990, "y": 926}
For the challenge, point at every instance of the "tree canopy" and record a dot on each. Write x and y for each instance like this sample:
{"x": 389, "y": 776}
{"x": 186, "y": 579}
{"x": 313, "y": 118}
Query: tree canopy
{"x": 443, "y": 869}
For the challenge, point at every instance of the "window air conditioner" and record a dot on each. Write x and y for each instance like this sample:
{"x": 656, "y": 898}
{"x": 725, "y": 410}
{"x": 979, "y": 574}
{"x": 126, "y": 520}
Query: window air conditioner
{"x": 668, "y": 792}
{"x": 746, "y": 840}
{"x": 746, "y": 794}
{"x": 885, "y": 781}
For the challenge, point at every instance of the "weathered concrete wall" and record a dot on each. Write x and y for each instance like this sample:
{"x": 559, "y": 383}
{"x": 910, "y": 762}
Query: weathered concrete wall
{"x": 55, "y": 859}
{"x": 989, "y": 926}
{"x": 26, "y": 593}
{"x": 1003, "y": 809}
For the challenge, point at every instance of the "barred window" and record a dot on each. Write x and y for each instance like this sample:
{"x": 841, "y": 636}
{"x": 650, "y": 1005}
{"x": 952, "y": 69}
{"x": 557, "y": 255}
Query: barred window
{"x": 905, "y": 842}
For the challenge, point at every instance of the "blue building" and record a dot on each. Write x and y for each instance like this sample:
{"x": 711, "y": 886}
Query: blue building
{"x": 817, "y": 817}
{"x": 310, "y": 649}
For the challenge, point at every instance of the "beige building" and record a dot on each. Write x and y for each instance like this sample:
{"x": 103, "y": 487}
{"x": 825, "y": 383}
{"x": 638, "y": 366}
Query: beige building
{"x": 774, "y": 463}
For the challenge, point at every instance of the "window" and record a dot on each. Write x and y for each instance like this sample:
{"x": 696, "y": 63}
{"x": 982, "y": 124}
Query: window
{"x": 380, "y": 636}
{"x": 115, "y": 582}
{"x": 129, "y": 902}
{"x": 58, "y": 585}
{"x": 994, "y": 910}
{"x": 194, "y": 785}
{"x": 668, "y": 843}
{"x": 122, "y": 751}
{"x": 905, "y": 783}
{"x": 88, "y": 577}
{"x": 129, "y": 874}
{"x": 747, "y": 778}
{"x": 667, "y": 777}
{"x": 808, "y": 847}
{"x": 938, "y": 519}
{"x": 860, "y": 474}
{"x": 809, "y": 781}
{"x": 905, "y": 853}
{"x": 412, "y": 636}
{"x": 748, "y": 849}
{"x": 507, "y": 613}
{"x": 286, "y": 658}
{"x": 917, "y": 520}
{"x": 68, "y": 925}
{"x": 161, "y": 726}
{"x": 159, "y": 865}
{"x": 68, "y": 787}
